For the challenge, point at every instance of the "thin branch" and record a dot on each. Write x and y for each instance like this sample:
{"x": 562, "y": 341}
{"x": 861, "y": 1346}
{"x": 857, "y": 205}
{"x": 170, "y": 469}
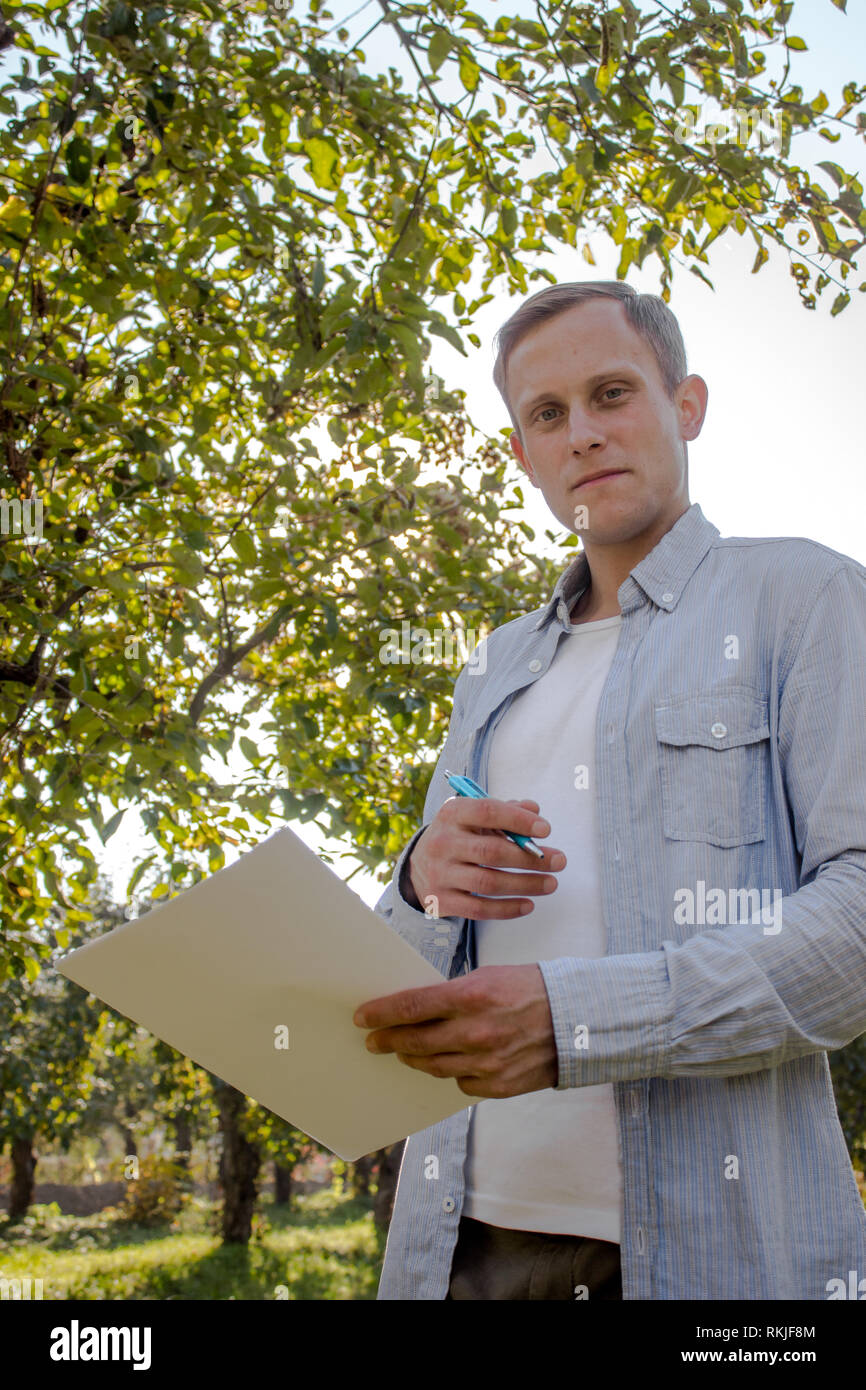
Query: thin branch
{"x": 405, "y": 41}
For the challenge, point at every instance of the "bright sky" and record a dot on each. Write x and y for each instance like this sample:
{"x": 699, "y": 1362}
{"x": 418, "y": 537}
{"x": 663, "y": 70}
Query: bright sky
{"x": 782, "y": 448}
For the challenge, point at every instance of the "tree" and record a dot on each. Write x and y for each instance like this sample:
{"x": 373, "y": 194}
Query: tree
{"x": 389, "y": 1172}
{"x": 284, "y": 1144}
{"x": 240, "y": 1160}
{"x": 222, "y": 224}
{"x": 50, "y": 1032}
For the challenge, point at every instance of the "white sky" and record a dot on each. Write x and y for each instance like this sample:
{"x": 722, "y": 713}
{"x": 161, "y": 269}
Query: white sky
{"x": 781, "y": 452}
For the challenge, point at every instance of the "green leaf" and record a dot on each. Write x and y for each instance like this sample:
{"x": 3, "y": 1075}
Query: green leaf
{"x": 57, "y": 374}
{"x": 78, "y": 160}
{"x": 792, "y": 41}
{"x": 244, "y": 547}
{"x": 111, "y": 826}
{"x": 837, "y": 175}
{"x": 439, "y": 48}
{"x": 450, "y": 334}
{"x": 718, "y": 216}
{"x": 323, "y": 156}
{"x": 701, "y": 276}
{"x": 187, "y": 564}
{"x": 605, "y": 75}
{"x": 468, "y": 69}
{"x": 140, "y": 869}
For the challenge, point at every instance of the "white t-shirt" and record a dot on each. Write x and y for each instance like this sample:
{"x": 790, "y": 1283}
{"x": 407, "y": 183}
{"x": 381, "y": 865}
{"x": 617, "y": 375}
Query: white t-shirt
{"x": 549, "y": 1160}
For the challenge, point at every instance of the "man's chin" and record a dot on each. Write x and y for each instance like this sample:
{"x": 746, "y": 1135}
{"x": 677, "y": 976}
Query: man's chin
{"x": 607, "y": 526}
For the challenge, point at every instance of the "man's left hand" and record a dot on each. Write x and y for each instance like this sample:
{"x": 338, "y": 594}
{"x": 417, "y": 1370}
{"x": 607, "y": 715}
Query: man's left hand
{"x": 491, "y": 1029}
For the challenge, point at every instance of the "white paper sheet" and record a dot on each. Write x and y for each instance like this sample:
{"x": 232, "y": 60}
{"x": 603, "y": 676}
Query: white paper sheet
{"x": 276, "y": 940}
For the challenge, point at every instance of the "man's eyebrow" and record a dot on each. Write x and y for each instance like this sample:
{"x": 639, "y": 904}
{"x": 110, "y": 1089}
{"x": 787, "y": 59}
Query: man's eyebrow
{"x": 617, "y": 370}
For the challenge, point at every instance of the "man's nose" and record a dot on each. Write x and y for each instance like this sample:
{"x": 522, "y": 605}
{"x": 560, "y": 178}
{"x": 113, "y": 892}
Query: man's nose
{"x": 583, "y": 432}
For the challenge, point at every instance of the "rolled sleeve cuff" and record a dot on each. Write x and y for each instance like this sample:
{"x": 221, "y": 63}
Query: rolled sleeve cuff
{"x": 611, "y": 1017}
{"x": 435, "y": 938}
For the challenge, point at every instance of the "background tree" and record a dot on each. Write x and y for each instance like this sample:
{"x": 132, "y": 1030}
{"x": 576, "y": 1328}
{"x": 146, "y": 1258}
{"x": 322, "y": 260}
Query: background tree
{"x": 50, "y": 1031}
{"x": 240, "y": 1161}
{"x": 221, "y": 225}
{"x": 286, "y": 1146}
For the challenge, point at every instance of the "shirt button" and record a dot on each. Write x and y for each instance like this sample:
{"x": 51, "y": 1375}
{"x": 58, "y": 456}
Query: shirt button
{"x": 535, "y": 664}
{"x": 719, "y": 730}
{"x": 667, "y": 598}
{"x": 448, "y": 1204}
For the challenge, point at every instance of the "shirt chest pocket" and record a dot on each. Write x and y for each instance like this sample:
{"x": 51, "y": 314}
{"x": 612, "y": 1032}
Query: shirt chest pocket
{"x": 714, "y": 750}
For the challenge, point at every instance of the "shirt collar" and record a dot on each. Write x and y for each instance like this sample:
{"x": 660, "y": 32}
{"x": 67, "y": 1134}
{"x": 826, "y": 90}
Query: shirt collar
{"x": 662, "y": 574}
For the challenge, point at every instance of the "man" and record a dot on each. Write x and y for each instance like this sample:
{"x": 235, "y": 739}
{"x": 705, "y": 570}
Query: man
{"x": 641, "y": 1022}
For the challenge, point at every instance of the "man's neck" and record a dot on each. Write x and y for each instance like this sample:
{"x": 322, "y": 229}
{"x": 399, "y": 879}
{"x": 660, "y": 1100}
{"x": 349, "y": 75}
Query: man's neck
{"x": 590, "y": 609}
{"x": 609, "y": 567}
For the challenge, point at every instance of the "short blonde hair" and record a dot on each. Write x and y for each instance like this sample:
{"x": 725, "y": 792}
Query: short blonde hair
{"x": 647, "y": 313}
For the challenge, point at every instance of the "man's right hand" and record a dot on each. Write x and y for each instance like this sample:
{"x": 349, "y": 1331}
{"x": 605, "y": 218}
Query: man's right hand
{"x": 463, "y": 852}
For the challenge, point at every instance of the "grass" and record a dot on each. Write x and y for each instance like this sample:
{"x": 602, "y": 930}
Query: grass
{"x": 326, "y": 1247}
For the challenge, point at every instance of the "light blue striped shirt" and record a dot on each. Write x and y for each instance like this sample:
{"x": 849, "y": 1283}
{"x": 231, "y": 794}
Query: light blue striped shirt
{"x": 731, "y": 798}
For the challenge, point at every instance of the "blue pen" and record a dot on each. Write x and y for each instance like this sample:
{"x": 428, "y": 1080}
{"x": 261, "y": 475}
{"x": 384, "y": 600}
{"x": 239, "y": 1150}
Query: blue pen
{"x": 464, "y": 786}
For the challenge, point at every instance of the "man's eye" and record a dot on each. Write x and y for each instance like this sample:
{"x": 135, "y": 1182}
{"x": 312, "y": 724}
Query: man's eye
{"x": 546, "y": 411}
{"x": 613, "y": 388}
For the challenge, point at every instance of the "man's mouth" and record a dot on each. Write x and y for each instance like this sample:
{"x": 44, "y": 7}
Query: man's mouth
{"x": 601, "y": 477}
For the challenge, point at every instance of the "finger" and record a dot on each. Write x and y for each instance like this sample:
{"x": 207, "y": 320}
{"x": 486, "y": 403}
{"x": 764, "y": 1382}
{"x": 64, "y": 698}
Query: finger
{"x": 409, "y": 1006}
{"x": 530, "y": 806}
{"x": 452, "y": 1064}
{"x": 456, "y": 904}
{"x": 486, "y": 813}
{"x": 498, "y": 852}
{"x": 425, "y": 1040}
{"x": 493, "y": 883}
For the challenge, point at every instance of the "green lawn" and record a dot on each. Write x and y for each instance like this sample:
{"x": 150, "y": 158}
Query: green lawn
{"x": 327, "y": 1247}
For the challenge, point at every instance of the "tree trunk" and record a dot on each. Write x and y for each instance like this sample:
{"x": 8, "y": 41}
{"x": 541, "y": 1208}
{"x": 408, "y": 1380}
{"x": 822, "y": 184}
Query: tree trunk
{"x": 129, "y": 1140}
{"x": 362, "y": 1172}
{"x": 389, "y": 1171}
{"x": 23, "y": 1168}
{"x": 282, "y": 1183}
{"x": 238, "y": 1168}
{"x": 182, "y": 1139}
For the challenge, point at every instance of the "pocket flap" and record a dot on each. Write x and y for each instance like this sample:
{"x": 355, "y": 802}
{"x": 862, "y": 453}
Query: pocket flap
{"x": 715, "y": 719}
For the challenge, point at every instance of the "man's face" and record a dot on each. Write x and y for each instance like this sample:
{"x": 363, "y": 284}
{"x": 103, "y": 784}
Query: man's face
{"x": 587, "y": 393}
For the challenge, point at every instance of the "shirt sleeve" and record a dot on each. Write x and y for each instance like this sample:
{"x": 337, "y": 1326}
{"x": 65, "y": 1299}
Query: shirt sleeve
{"x": 440, "y": 940}
{"x": 749, "y": 996}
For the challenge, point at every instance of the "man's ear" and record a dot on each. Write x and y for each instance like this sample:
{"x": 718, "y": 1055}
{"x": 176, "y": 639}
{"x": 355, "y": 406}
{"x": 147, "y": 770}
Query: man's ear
{"x": 693, "y": 394}
{"x": 517, "y": 450}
